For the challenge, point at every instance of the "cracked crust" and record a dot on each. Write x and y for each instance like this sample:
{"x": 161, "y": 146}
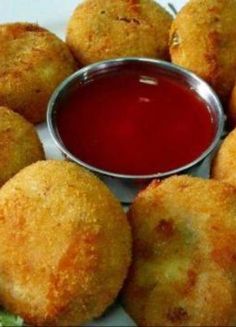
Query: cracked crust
{"x": 184, "y": 263}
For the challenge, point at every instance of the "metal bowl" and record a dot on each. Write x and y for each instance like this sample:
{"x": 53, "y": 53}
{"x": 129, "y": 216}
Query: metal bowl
{"x": 126, "y": 187}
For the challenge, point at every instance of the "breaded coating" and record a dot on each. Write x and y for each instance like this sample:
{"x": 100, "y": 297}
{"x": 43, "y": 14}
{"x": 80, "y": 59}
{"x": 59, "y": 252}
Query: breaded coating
{"x": 33, "y": 62}
{"x": 232, "y": 107}
{"x": 224, "y": 163}
{"x": 19, "y": 144}
{"x": 184, "y": 261}
{"x": 202, "y": 39}
{"x": 65, "y": 245}
{"x": 105, "y": 29}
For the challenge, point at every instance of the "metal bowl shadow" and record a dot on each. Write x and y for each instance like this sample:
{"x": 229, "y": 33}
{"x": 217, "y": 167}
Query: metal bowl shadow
{"x": 125, "y": 187}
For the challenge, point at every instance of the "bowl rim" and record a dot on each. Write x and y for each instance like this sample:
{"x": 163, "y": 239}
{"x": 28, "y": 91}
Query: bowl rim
{"x": 113, "y": 62}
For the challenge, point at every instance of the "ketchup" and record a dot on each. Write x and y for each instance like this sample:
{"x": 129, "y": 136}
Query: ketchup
{"x": 135, "y": 122}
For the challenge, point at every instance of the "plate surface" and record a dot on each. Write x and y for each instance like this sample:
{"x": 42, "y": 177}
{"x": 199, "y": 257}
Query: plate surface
{"x": 54, "y": 15}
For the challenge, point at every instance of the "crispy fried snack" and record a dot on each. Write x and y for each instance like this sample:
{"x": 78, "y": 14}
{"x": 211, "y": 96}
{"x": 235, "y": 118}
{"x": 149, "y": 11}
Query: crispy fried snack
{"x": 202, "y": 39}
{"x": 19, "y": 144}
{"x": 33, "y": 62}
{"x": 224, "y": 163}
{"x": 65, "y": 245}
{"x": 232, "y": 107}
{"x": 183, "y": 271}
{"x": 105, "y": 29}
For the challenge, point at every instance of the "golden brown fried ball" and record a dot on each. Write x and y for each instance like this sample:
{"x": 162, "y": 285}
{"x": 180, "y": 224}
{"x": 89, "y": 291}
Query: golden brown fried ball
{"x": 19, "y": 144}
{"x": 105, "y": 29}
{"x": 64, "y": 246}
{"x": 33, "y": 62}
{"x": 232, "y": 107}
{"x": 184, "y": 261}
{"x": 202, "y": 39}
{"x": 224, "y": 163}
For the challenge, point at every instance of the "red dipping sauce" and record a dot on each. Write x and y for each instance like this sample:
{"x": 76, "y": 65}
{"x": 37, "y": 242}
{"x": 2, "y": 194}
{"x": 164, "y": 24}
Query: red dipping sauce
{"x": 135, "y": 123}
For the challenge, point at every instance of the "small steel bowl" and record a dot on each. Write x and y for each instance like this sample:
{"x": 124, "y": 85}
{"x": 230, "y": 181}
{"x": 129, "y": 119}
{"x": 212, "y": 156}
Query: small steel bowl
{"x": 124, "y": 186}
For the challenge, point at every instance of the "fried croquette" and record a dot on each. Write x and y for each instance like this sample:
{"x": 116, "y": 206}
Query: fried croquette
{"x": 104, "y": 29}
{"x": 202, "y": 39}
{"x": 65, "y": 245}
{"x": 184, "y": 254}
{"x": 232, "y": 108}
{"x": 19, "y": 144}
{"x": 33, "y": 62}
{"x": 224, "y": 163}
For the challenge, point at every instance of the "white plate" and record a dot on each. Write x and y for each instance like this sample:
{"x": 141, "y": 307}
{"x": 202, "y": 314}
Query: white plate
{"x": 54, "y": 15}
